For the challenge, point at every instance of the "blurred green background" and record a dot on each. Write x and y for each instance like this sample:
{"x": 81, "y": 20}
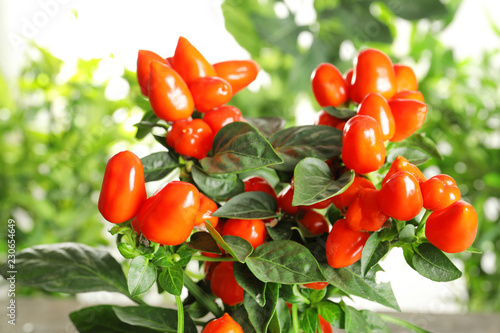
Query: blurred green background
{"x": 56, "y": 134}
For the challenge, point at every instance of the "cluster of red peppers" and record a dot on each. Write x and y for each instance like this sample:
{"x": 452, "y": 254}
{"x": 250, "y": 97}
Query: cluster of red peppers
{"x": 389, "y": 108}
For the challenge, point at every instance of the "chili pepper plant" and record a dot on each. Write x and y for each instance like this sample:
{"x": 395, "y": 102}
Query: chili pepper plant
{"x": 258, "y": 227}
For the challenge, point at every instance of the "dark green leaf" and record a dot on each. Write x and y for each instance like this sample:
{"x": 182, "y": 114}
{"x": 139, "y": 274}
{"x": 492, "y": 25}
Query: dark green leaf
{"x": 171, "y": 279}
{"x": 415, "y": 10}
{"x": 349, "y": 280}
{"x": 267, "y": 126}
{"x": 413, "y": 155}
{"x": 260, "y": 316}
{"x": 309, "y": 320}
{"x": 373, "y": 251}
{"x": 146, "y": 124}
{"x": 333, "y": 214}
{"x": 340, "y": 113}
{"x": 281, "y": 231}
{"x": 239, "y": 147}
{"x": 102, "y": 318}
{"x": 158, "y": 165}
{"x": 218, "y": 187}
{"x": 332, "y": 313}
{"x": 204, "y": 242}
{"x": 432, "y": 263}
{"x": 253, "y": 286}
{"x": 296, "y": 143}
{"x": 363, "y": 321}
{"x": 242, "y": 247}
{"x": 267, "y": 173}
{"x": 240, "y": 315}
{"x": 281, "y": 321}
{"x": 407, "y": 234}
{"x": 196, "y": 310}
{"x": 284, "y": 262}
{"x": 141, "y": 276}
{"x": 249, "y": 205}
{"x": 156, "y": 318}
{"x": 68, "y": 268}
{"x": 314, "y": 182}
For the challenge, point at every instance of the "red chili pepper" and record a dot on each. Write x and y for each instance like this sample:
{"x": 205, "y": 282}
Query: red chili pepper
{"x": 238, "y": 73}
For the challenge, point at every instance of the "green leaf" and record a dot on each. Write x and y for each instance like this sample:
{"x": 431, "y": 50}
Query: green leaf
{"x": 416, "y": 141}
{"x": 284, "y": 262}
{"x": 146, "y": 124}
{"x": 281, "y": 321}
{"x": 432, "y": 263}
{"x": 281, "y": 231}
{"x": 407, "y": 234}
{"x": 349, "y": 280}
{"x": 413, "y": 155}
{"x": 68, "y": 268}
{"x": 260, "y": 316}
{"x": 340, "y": 113}
{"x": 363, "y": 321}
{"x": 333, "y": 214}
{"x": 309, "y": 320}
{"x": 373, "y": 251}
{"x": 267, "y": 126}
{"x": 171, "y": 279}
{"x": 473, "y": 250}
{"x": 158, "y": 165}
{"x": 296, "y": 143}
{"x": 267, "y": 173}
{"x": 127, "y": 251}
{"x": 253, "y": 286}
{"x": 332, "y": 313}
{"x": 102, "y": 318}
{"x": 159, "y": 319}
{"x": 218, "y": 187}
{"x": 141, "y": 276}
{"x": 242, "y": 247}
{"x": 239, "y": 147}
{"x": 248, "y": 205}
{"x": 416, "y": 10}
{"x": 204, "y": 242}
{"x": 240, "y": 315}
{"x": 314, "y": 182}
{"x": 196, "y": 310}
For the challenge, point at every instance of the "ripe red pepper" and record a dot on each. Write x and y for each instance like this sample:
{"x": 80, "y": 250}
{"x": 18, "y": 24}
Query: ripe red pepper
{"x": 376, "y": 106}
{"x": 253, "y": 231}
{"x": 314, "y": 222}
{"x": 285, "y": 198}
{"x": 405, "y": 78}
{"x": 224, "y": 285}
{"x": 123, "y": 189}
{"x": 207, "y": 207}
{"x": 324, "y": 118}
{"x": 363, "y": 147}
{"x": 409, "y": 115}
{"x": 452, "y": 229}
{"x": 169, "y": 95}
{"x": 344, "y": 245}
{"x": 402, "y": 164}
{"x": 168, "y": 216}
{"x": 210, "y": 92}
{"x": 238, "y": 73}
{"x": 224, "y": 324}
{"x": 365, "y": 213}
{"x": 344, "y": 199}
{"x": 191, "y": 138}
{"x": 316, "y": 285}
{"x": 190, "y": 63}
{"x": 326, "y": 327}
{"x": 400, "y": 197}
{"x": 328, "y": 85}
{"x": 409, "y": 94}
{"x": 373, "y": 72}
{"x": 348, "y": 81}
{"x": 439, "y": 192}
{"x": 144, "y": 59}
{"x": 256, "y": 183}
{"x": 222, "y": 116}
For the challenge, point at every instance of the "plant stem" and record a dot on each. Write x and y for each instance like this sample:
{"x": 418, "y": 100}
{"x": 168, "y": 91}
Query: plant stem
{"x": 204, "y": 258}
{"x": 423, "y": 221}
{"x": 402, "y": 323}
{"x": 138, "y": 300}
{"x": 295, "y": 319}
{"x": 201, "y": 296}
{"x": 180, "y": 314}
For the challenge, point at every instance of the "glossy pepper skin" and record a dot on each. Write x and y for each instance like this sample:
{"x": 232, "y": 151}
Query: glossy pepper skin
{"x": 452, "y": 229}
{"x": 439, "y": 192}
{"x": 207, "y": 207}
{"x": 376, "y": 106}
{"x": 224, "y": 324}
{"x": 222, "y": 116}
{"x": 402, "y": 164}
{"x": 253, "y": 231}
{"x": 224, "y": 285}
{"x": 344, "y": 199}
{"x": 192, "y": 138}
{"x": 343, "y": 245}
{"x": 405, "y": 78}
{"x": 123, "y": 189}
{"x": 144, "y": 59}
{"x": 409, "y": 115}
{"x": 365, "y": 213}
{"x": 326, "y": 327}
{"x": 210, "y": 92}
{"x": 238, "y": 73}
{"x": 168, "y": 217}
{"x": 363, "y": 147}
{"x": 285, "y": 198}
{"x": 328, "y": 85}
{"x": 256, "y": 183}
{"x": 373, "y": 72}
{"x": 169, "y": 95}
{"x": 314, "y": 222}
{"x": 190, "y": 63}
{"x": 324, "y": 118}
{"x": 400, "y": 197}
{"x": 409, "y": 94}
